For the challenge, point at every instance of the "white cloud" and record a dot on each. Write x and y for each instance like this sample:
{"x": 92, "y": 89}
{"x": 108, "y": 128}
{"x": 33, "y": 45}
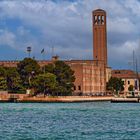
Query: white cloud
{"x": 68, "y": 27}
{"x": 133, "y": 6}
{"x": 22, "y": 31}
{"x": 121, "y": 25}
{"x": 123, "y": 53}
{"x": 7, "y": 38}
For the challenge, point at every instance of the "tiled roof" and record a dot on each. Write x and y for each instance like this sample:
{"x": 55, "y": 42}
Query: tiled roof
{"x": 124, "y": 74}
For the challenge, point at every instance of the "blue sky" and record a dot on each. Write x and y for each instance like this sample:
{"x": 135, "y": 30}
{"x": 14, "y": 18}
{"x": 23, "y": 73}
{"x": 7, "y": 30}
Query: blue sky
{"x": 66, "y": 25}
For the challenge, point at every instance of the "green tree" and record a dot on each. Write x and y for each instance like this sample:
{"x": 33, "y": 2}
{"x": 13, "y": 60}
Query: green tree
{"x": 64, "y": 76}
{"x": 28, "y": 68}
{"x": 115, "y": 84}
{"x": 49, "y": 68}
{"x": 3, "y": 83}
{"x": 14, "y": 82}
{"x": 2, "y": 71}
{"x": 44, "y": 83}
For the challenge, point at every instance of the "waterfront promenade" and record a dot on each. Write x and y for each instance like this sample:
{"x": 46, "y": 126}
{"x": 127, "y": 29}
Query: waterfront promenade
{"x": 25, "y": 98}
{"x": 5, "y": 97}
{"x": 67, "y": 99}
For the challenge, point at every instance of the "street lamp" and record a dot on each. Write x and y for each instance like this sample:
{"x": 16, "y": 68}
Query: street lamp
{"x": 29, "y": 50}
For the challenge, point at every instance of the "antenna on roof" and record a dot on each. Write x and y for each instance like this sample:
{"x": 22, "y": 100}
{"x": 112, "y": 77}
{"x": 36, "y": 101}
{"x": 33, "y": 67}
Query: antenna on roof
{"x": 133, "y": 60}
{"x": 52, "y": 51}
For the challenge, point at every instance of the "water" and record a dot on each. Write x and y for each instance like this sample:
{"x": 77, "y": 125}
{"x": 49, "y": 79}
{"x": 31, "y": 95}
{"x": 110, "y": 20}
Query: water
{"x": 69, "y": 121}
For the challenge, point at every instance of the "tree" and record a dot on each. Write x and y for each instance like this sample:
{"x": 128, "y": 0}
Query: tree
{"x": 14, "y": 82}
{"x": 3, "y": 84}
{"x": 115, "y": 84}
{"x": 28, "y": 68}
{"x": 49, "y": 68}
{"x": 64, "y": 76}
{"x": 2, "y": 71}
{"x": 44, "y": 83}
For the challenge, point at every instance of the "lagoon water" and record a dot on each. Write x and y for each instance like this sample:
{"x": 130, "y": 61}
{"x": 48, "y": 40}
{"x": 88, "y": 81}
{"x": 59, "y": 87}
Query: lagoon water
{"x": 69, "y": 121}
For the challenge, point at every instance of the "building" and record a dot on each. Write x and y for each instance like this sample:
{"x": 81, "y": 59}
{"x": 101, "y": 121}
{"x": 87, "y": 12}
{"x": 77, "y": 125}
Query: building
{"x": 91, "y": 75}
{"x": 129, "y": 77}
{"x": 99, "y": 36}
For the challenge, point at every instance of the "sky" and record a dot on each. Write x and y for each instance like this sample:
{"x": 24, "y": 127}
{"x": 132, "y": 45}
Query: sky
{"x": 64, "y": 28}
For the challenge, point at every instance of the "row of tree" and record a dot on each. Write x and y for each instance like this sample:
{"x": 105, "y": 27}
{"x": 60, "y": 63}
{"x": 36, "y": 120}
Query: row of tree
{"x": 55, "y": 78}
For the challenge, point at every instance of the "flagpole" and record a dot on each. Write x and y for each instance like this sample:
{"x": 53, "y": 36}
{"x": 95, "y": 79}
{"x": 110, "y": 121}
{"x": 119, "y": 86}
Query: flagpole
{"x": 43, "y": 54}
{"x": 52, "y": 51}
{"x": 43, "y": 58}
{"x": 43, "y": 68}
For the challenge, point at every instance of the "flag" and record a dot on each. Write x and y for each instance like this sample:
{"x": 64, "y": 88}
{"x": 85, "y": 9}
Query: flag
{"x": 42, "y": 51}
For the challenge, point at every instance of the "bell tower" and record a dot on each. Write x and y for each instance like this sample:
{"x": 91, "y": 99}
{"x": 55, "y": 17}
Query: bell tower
{"x": 99, "y": 36}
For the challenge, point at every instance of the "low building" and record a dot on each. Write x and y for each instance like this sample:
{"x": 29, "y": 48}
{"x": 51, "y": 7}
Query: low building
{"x": 129, "y": 77}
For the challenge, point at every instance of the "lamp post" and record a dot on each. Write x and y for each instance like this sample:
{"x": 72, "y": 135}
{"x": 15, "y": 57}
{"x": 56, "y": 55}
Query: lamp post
{"x": 29, "y": 50}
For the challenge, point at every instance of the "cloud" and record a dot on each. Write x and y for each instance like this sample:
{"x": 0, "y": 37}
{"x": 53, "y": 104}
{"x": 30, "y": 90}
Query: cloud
{"x": 133, "y": 6}
{"x": 123, "y": 54}
{"x": 67, "y": 26}
{"x": 7, "y": 38}
{"x": 22, "y": 31}
{"x": 122, "y": 26}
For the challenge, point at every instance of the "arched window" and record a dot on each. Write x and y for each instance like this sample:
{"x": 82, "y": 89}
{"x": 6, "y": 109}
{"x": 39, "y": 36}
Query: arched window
{"x": 102, "y": 19}
{"x": 99, "y": 19}
{"x": 95, "y": 19}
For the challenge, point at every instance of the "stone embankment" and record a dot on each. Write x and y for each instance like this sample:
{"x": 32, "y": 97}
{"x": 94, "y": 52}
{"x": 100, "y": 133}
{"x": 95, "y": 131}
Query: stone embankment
{"x": 66, "y": 99}
{"x": 24, "y": 98}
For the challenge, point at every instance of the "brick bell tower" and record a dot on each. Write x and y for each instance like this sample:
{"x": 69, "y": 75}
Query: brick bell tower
{"x": 99, "y": 36}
